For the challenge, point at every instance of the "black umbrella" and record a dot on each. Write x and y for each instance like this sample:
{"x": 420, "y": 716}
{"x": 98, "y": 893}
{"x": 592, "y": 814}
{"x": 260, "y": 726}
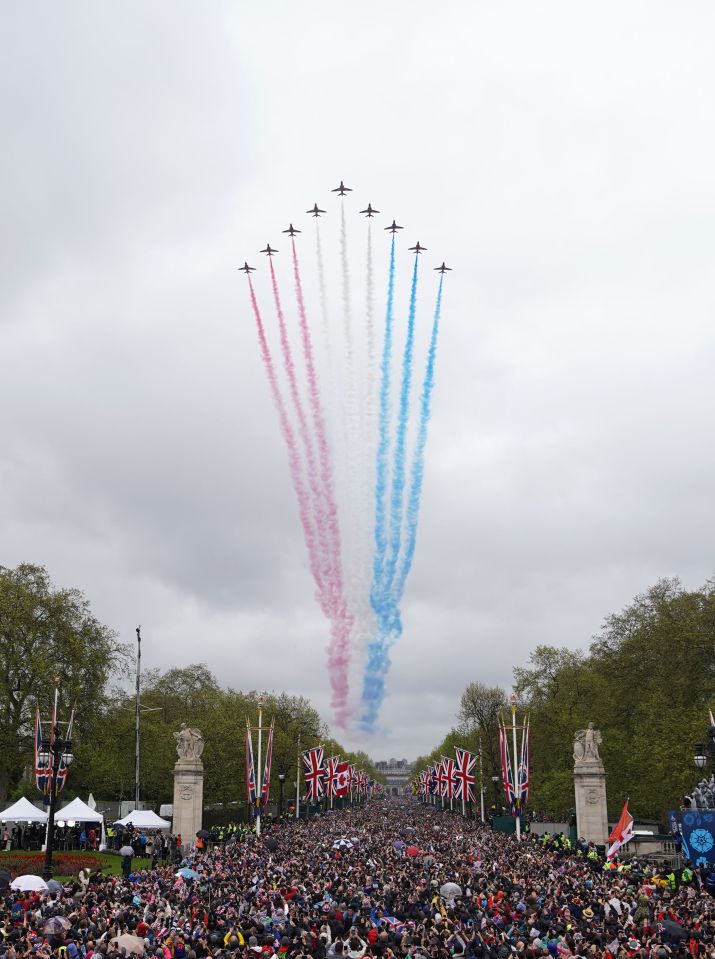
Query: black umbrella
{"x": 203, "y": 834}
{"x": 272, "y": 843}
{"x": 671, "y": 931}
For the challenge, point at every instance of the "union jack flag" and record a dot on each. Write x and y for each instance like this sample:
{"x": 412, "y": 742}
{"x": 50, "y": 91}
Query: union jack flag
{"x": 464, "y": 774}
{"x": 363, "y": 782}
{"x": 449, "y": 783}
{"x": 432, "y": 784}
{"x": 63, "y": 768}
{"x": 250, "y": 769}
{"x": 506, "y": 772}
{"x": 424, "y": 789}
{"x": 524, "y": 765}
{"x": 331, "y": 775}
{"x": 43, "y": 760}
{"x": 441, "y": 778}
{"x": 266, "y": 785}
{"x": 314, "y": 774}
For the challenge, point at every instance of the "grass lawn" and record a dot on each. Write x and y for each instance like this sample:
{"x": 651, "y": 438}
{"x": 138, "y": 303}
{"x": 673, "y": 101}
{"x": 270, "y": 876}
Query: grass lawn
{"x": 66, "y": 864}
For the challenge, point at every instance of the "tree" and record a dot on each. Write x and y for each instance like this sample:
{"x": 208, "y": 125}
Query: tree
{"x": 479, "y": 710}
{"x": 48, "y": 638}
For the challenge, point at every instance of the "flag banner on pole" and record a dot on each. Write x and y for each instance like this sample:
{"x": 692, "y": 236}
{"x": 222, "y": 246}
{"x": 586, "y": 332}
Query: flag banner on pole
{"x": 439, "y": 772}
{"x": 363, "y": 782}
{"x": 524, "y": 765}
{"x": 250, "y": 768}
{"x": 506, "y": 771}
{"x": 266, "y": 785}
{"x": 450, "y": 782}
{"x": 622, "y": 832}
{"x": 331, "y": 767}
{"x": 314, "y": 774}
{"x": 63, "y": 768}
{"x": 42, "y": 765}
{"x": 464, "y": 774}
{"x": 342, "y": 779}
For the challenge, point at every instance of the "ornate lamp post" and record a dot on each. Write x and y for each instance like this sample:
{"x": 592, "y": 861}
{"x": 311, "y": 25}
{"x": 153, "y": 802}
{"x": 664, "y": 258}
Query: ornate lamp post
{"x": 701, "y": 750}
{"x": 700, "y": 758}
{"x": 495, "y": 780}
{"x": 55, "y": 752}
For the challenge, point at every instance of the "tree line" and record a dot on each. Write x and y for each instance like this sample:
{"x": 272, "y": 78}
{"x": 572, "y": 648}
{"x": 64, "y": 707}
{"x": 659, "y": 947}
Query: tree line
{"x": 646, "y": 681}
{"x": 49, "y": 637}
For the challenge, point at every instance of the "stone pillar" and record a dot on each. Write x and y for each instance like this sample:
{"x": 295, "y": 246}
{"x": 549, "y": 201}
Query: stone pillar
{"x": 590, "y": 787}
{"x": 188, "y": 785}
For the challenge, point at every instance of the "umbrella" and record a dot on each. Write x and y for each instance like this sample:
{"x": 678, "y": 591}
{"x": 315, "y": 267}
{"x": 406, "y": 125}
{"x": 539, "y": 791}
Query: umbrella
{"x": 56, "y": 926}
{"x": 671, "y": 931}
{"x": 54, "y": 886}
{"x": 133, "y": 944}
{"x": 126, "y": 851}
{"x": 450, "y": 889}
{"x": 272, "y": 843}
{"x": 29, "y": 884}
{"x": 428, "y": 860}
{"x": 342, "y": 844}
{"x": 399, "y": 844}
{"x": 203, "y": 834}
{"x": 413, "y": 851}
{"x": 187, "y": 873}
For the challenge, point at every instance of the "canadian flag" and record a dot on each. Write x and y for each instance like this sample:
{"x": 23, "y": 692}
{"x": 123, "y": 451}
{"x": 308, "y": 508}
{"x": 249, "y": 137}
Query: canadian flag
{"x": 342, "y": 779}
{"x": 622, "y": 833}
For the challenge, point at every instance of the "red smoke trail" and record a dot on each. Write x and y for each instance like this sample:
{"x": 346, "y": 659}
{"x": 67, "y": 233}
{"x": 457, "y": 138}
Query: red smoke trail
{"x": 328, "y": 598}
{"x": 288, "y": 436}
{"x": 339, "y": 651}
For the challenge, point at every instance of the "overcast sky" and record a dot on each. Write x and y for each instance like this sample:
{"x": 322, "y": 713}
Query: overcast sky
{"x": 559, "y": 156}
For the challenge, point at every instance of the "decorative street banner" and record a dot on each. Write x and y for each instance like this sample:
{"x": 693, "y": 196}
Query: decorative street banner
{"x": 698, "y": 831}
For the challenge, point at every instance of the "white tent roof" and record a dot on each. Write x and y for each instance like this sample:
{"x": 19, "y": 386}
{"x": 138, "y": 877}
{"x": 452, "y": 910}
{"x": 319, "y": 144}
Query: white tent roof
{"x": 144, "y": 819}
{"x": 79, "y": 812}
{"x": 23, "y": 811}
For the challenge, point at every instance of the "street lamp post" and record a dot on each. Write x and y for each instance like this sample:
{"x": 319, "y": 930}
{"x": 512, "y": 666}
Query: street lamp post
{"x": 56, "y": 749}
{"x": 701, "y": 751}
{"x": 281, "y": 781}
{"x": 495, "y": 780}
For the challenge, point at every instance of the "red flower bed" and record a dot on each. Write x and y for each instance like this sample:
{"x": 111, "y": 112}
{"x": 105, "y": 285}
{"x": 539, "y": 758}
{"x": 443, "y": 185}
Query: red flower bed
{"x": 31, "y": 863}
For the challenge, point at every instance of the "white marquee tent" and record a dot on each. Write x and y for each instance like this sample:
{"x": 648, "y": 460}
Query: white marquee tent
{"x": 78, "y": 811}
{"x": 23, "y": 811}
{"x": 144, "y": 819}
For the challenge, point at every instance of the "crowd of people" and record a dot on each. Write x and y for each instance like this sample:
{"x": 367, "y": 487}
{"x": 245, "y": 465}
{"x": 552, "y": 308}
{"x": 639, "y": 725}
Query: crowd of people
{"x": 388, "y": 880}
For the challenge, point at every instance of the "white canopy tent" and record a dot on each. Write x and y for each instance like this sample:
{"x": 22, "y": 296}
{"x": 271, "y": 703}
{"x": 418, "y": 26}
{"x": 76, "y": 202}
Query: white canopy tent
{"x": 78, "y": 811}
{"x": 23, "y": 811}
{"x": 144, "y": 819}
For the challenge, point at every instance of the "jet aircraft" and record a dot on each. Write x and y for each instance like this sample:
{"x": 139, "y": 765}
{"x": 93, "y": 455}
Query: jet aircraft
{"x": 442, "y": 269}
{"x": 369, "y": 211}
{"x": 417, "y": 249}
{"x": 316, "y": 211}
{"x": 342, "y": 189}
{"x": 246, "y": 268}
{"x": 393, "y": 227}
{"x": 269, "y": 250}
{"x": 291, "y": 231}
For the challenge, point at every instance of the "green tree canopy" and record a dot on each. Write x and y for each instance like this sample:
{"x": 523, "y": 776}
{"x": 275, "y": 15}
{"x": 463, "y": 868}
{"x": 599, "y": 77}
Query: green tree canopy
{"x": 48, "y": 638}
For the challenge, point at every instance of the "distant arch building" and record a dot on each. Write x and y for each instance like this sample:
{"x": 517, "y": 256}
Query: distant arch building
{"x": 397, "y": 773}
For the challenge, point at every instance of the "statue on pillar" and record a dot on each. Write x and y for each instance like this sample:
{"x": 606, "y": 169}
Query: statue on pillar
{"x": 189, "y": 743}
{"x": 586, "y": 743}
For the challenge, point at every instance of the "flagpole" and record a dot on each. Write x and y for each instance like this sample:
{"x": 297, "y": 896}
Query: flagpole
{"x": 517, "y": 771}
{"x": 481, "y": 780}
{"x": 259, "y": 770}
{"x": 297, "y": 782}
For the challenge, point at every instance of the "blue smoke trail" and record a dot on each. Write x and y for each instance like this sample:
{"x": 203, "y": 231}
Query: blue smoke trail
{"x": 383, "y": 447}
{"x": 389, "y": 624}
{"x": 398, "y": 474}
{"x": 418, "y": 463}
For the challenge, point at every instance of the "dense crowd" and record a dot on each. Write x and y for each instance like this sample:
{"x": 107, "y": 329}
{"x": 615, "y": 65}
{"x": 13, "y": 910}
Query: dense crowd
{"x": 389, "y": 880}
